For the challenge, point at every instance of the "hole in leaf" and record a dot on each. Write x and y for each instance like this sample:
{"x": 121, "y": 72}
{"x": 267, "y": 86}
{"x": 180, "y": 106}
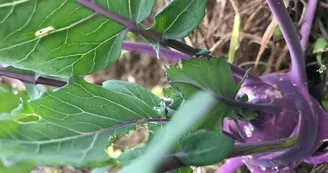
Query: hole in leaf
{"x": 118, "y": 144}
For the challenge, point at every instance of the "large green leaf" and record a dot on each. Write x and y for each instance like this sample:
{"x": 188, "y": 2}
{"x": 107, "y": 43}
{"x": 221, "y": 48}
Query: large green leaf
{"x": 61, "y": 37}
{"x": 179, "y": 18}
{"x": 10, "y": 99}
{"x": 75, "y": 124}
{"x": 183, "y": 121}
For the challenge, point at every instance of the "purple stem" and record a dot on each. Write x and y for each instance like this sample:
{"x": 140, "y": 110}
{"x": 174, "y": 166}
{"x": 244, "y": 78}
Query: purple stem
{"x": 289, "y": 32}
{"x": 307, "y": 22}
{"x": 148, "y": 49}
{"x": 32, "y": 79}
{"x": 230, "y": 165}
{"x": 265, "y": 107}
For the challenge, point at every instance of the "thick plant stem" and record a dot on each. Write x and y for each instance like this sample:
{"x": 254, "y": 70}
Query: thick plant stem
{"x": 32, "y": 79}
{"x": 230, "y": 165}
{"x": 177, "y": 45}
{"x": 289, "y": 32}
{"x": 307, "y": 22}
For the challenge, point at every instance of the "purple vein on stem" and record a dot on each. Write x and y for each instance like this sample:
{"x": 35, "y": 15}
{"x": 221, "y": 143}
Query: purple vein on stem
{"x": 289, "y": 32}
{"x": 307, "y": 22}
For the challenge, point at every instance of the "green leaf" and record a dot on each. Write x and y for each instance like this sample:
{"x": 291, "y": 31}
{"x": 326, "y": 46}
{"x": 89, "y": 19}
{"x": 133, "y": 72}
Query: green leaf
{"x": 141, "y": 9}
{"x": 10, "y": 99}
{"x": 199, "y": 147}
{"x": 325, "y": 104}
{"x": 277, "y": 34}
{"x": 319, "y": 48}
{"x": 75, "y": 124}
{"x": 134, "y": 90}
{"x": 176, "y": 96}
{"x": 200, "y": 73}
{"x": 17, "y": 168}
{"x": 182, "y": 122}
{"x": 62, "y": 37}
{"x": 320, "y": 45}
{"x": 182, "y": 170}
{"x": 179, "y": 18}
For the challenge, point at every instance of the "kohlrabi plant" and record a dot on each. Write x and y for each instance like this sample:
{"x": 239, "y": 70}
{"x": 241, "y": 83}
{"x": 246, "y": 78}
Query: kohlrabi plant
{"x": 212, "y": 111}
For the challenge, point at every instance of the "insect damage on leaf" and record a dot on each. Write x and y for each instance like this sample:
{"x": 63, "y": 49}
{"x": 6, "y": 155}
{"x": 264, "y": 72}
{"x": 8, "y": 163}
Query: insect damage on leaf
{"x": 44, "y": 31}
{"x": 118, "y": 144}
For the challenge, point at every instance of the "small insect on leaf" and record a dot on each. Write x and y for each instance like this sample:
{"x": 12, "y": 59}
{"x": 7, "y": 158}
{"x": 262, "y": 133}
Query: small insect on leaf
{"x": 44, "y": 31}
